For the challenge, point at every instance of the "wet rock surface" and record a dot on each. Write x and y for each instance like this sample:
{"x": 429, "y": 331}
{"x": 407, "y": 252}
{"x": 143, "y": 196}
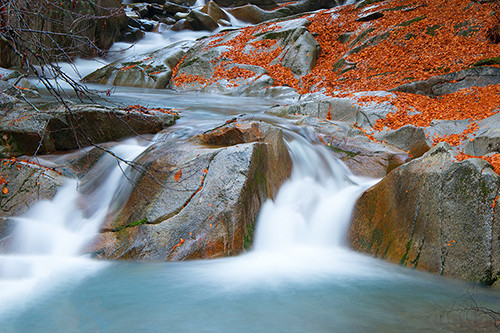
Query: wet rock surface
{"x": 433, "y": 214}
{"x": 25, "y": 184}
{"x": 198, "y": 199}
{"x": 26, "y": 131}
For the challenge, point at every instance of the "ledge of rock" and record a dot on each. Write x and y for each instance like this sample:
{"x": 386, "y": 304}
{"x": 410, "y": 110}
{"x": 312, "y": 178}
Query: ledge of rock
{"x": 28, "y": 131}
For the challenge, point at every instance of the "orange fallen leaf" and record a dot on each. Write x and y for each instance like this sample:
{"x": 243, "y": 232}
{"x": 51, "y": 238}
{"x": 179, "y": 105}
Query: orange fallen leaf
{"x": 5, "y": 190}
{"x": 178, "y": 175}
{"x": 179, "y": 244}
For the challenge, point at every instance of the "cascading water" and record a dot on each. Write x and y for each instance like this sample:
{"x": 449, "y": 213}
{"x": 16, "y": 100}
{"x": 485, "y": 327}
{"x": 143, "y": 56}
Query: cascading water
{"x": 47, "y": 240}
{"x": 298, "y": 277}
{"x": 314, "y": 207}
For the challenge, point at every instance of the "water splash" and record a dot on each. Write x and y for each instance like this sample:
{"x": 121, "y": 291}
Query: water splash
{"x": 300, "y": 236}
{"x": 47, "y": 240}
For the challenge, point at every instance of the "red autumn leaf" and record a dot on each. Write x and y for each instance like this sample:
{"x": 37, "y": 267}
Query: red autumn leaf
{"x": 178, "y": 175}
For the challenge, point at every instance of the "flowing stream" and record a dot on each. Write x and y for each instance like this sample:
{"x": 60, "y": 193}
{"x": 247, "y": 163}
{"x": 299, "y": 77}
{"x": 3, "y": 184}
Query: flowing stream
{"x": 299, "y": 276}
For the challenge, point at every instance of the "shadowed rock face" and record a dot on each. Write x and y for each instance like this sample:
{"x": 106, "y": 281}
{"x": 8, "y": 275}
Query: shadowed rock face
{"x": 434, "y": 214}
{"x": 80, "y": 29}
{"x": 28, "y": 131}
{"x": 27, "y": 184}
{"x": 198, "y": 199}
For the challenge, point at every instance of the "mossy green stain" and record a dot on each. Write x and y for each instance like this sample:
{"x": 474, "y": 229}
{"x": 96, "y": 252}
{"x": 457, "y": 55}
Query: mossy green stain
{"x": 376, "y": 238}
{"x": 489, "y": 61}
{"x": 361, "y": 36}
{"x": 188, "y": 63}
{"x": 131, "y": 225}
{"x": 348, "y": 153}
{"x": 366, "y": 3}
{"x": 384, "y": 255}
{"x": 414, "y": 20}
{"x": 393, "y": 9}
{"x": 405, "y": 256}
{"x": 249, "y": 235}
{"x": 432, "y": 29}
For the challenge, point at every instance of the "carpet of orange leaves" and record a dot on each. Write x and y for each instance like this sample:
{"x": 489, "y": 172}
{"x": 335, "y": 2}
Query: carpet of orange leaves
{"x": 260, "y": 53}
{"x": 414, "y": 40}
{"x": 493, "y": 159}
{"x": 430, "y": 45}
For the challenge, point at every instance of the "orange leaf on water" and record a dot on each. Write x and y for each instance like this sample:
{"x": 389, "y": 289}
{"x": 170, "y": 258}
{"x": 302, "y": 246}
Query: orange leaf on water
{"x": 178, "y": 175}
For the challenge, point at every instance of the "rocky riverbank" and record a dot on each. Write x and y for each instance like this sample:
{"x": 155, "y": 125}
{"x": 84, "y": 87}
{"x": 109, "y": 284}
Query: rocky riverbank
{"x": 408, "y": 92}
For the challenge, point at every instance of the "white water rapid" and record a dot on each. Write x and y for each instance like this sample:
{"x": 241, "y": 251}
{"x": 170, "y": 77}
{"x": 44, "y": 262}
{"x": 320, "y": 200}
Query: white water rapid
{"x": 45, "y": 246}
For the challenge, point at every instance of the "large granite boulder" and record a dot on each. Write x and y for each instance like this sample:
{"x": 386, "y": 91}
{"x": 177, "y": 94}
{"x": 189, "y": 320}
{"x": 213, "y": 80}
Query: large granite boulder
{"x": 152, "y": 70}
{"x": 434, "y": 214}
{"x": 198, "y": 199}
{"x": 223, "y": 63}
{"x": 252, "y": 12}
{"x": 264, "y": 4}
{"x": 28, "y": 131}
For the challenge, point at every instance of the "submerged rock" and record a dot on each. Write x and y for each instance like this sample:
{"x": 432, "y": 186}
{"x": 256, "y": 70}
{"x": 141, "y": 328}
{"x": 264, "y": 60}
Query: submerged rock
{"x": 435, "y": 215}
{"x": 198, "y": 199}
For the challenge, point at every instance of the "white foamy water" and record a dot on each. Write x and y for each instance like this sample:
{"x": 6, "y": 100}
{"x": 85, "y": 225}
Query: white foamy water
{"x": 45, "y": 245}
{"x": 300, "y": 236}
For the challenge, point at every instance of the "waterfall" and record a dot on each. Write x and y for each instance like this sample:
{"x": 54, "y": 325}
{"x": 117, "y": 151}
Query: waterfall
{"x": 300, "y": 235}
{"x": 313, "y": 208}
{"x": 47, "y": 240}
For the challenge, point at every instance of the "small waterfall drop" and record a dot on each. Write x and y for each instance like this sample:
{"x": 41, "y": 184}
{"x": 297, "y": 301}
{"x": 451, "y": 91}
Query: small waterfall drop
{"x": 300, "y": 235}
{"x": 47, "y": 240}
{"x": 313, "y": 208}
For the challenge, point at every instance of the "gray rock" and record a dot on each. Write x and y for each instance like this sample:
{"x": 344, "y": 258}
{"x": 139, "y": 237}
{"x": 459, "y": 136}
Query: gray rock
{"x": 7, "y": 102}
{"x": 364, "y": 157}
{"x": 341, "y": 109}
{"x": 408, "y": 138}
{"x": 264, "y": 4}
{"x": 486, "y": 141}
{"x": 452, "y": 82}
{"x": 302, "y": 55}
{"x": 253, "y": 14}
{"x": 8, "y": 74}
{"x": 433, "y": 214}
{"x": 19, "y": 88}
{"x": 184, "y": 2}
{"x": 27, "y": 184}
{"x": 214, "y": 11}
{"x": 368, "y": 114}
{"x": 201, "y": 21}
{"x": 198, "y": 199}
{"x": 182, "y": 24}
{"x": 152, "y": 70}
{"x": 29, "y": 131}
{"x": 172, "y": 8}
